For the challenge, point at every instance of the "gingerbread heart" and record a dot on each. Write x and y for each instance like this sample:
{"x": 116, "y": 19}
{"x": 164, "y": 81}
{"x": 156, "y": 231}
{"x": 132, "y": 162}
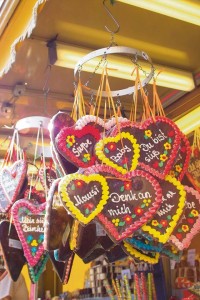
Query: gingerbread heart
{"x": 11, "y": 181}
{"x": 84, "y": 196}
{"x": 58, "y": 122}
{"x": 189, "y": 224}
{"x": 165, "y": 220}
{"x": 182, "y": 159}
{"x": 140, "y": 242}
{"x": 34, "y": 196}
{"x": 29, "y": 223}
{"x": 36, "y": 271}
{"x": 133, "y": 200}
{"x": 149, "y": 257}
{"x": 193, "y": 171}
{"x": 159, "y": 140}
{"x": 120, "y": 152}
{"x": 12, "y": 249}
{"x": 63, "y": 269}
{"x": 47, "y": 176}
{"x": 78, "y": 145}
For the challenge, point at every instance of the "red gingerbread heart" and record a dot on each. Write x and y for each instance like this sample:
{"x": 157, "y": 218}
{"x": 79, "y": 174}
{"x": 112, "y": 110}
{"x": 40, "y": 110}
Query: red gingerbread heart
{"x": 189, "y": 224}
{"x": 29, "y": 223}
{"x": 159, "y": 140}
{"x": 11, "y": 182}
{"x": 78, "y": 145}
{"x": 133, "y": 200}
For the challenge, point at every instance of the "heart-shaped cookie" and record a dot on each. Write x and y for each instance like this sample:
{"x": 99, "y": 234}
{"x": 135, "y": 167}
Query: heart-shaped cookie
{"x": 36, "y": 271}
{"x": 140, "y": 242}
{"x": 189, "y": 224}
{"x": 11, "y": 181}
{"x": 63, "y": 269}
{"x": 149, "y": 257}
{"x": 84, "y": 196}
{"x": 12, "y": 249}
{"x": 58, "y": 122}
{"x": 35, "y": 196}
{"x": 182, "y": 159}
{"x": 78, "y": 145}
{"x": 165, "y": 220}
{"x": 120, "y": 152}
{"x": 47, "y": 175}
{"x": 193, "y": 171}
{"x": 133, "y": 200}
{"x": 159, "y": 140}
{"x": 29, "y": 223}
{"x": 57, "y": 222}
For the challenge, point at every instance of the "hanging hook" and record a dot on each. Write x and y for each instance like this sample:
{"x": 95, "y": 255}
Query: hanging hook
{"x": 116, "y": 23}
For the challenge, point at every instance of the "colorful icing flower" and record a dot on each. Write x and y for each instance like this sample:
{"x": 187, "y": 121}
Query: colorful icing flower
{"x": 89, "y": 206}
{"x": 194, "y": 213}
{"x": 163, "y": 157}
{"x": 185, "y": 228}
{"x": 116, "y": 222}
{"x": 178, "y": 168}
{"x": 127, "y": 219}
{"x": 111, "y": 146}
{"x": 33, "y": 250}
{"x": 138, "y": 211}
{"x": 41, "y": 238}
{"x": 70, "y": 140}
{"x": 86, "y": 157}
{"x": 155, "y": 164}
{"x": 170, "y": 133}
{"x": 79, "y": 183}
{"x": 34, "y": 243}
{"x": 154, "y": 223}
{"x": 127, "y": 185}
{"x": 172, "y": 173}
{"x": 148, "y": 133}
{"x": 29, "y": 238}
{"x": 164, "y": 223}
{"x": 146, "y": 202}
{"x": 167, "y": 146}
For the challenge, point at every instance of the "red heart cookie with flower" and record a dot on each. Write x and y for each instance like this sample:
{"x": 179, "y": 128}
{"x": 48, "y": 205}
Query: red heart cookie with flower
{"x": 78, "y": 145}
{"x": 120, "y": 152}
{"x": 165, "y": 219}
{"x": 12, "y": 249}
{"x": 189, "y": 224}
{"x": 193, "y": 171}
{"x": 36, "y": 271}
{"x": 159, "y": 140}
{"x": 182, "y": 159}
{"x": 84, "y": 196}
{"x": 57, "y": 123}
{"x": 29, "y": 223}
{"x": 11, "y": 182}
{"x": 133, "y": 200}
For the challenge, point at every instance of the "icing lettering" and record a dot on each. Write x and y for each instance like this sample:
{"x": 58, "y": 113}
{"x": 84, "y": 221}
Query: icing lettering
{"x": 190, "y": 205}
{"x": 120, "y": 154}
{"x": 119, "y": 210}
{"x": 151, "y": 156}
{"x": 169, "y": 195}
{"x": 116, "y": 198}
{"x": 82, "y": 199}
{"x": 163, "y": 211}
{"x": 158, "y": 138}
{"x": 29, "y": 228}
{"x": 82, "y": 147}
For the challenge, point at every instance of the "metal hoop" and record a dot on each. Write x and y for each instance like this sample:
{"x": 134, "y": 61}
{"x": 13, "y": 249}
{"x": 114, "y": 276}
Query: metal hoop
{"x": 114, "y": 50}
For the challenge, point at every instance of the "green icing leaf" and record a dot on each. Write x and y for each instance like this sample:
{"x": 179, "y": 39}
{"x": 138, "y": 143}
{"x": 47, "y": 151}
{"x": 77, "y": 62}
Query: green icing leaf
{"x": 87, "y": 211}
{"x": 169, "y": 217}
{"x": 73, "y": 187}
{"x": 106, "y": 150}
{"x": 160, "y": 225}
{"x": 133, "y": 216}
{"x": 169, "y": 140}
{"x": 121, "y": 223}
{"x": 143, "y": 205}
{"x": 165, "y": 152}
{"x": 160, "y": 164}
{"x": 146, "y": 137}
{"x": 121, "y": 188}
{"x": 179, "y": 230}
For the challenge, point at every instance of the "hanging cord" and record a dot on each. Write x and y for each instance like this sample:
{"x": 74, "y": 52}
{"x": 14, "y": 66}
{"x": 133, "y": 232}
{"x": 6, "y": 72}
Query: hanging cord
{"x": 196, "y": 141}
{"x": 78, "y": 109}
{"x": 157, "y": 105}
{"x": 46, "y": 88}
{"x": 44, "y": 164}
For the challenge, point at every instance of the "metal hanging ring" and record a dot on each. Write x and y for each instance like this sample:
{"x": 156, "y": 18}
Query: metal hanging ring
{"x": 114, "y": 50}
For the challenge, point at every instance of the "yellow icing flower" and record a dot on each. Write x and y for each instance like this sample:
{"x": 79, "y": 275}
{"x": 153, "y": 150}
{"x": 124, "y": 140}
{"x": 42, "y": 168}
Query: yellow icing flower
{"x": 34, "y": 243}
{"x": 87, "y": 156}
{"x": 194, "y": 212}
{"x": 148, "y": 133}
{"x": 147, "y": 202}
{"x": 167, "y": 146}
{"x": 154, "y": 223}
{"x": 172, "y": 173}
{"x": 163, "y": 157}
{"x": 116, "y": 222}
{"x": 185, "y": 228}
{"x": 178, "y": 168}
{"x": 70, "y": 139}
